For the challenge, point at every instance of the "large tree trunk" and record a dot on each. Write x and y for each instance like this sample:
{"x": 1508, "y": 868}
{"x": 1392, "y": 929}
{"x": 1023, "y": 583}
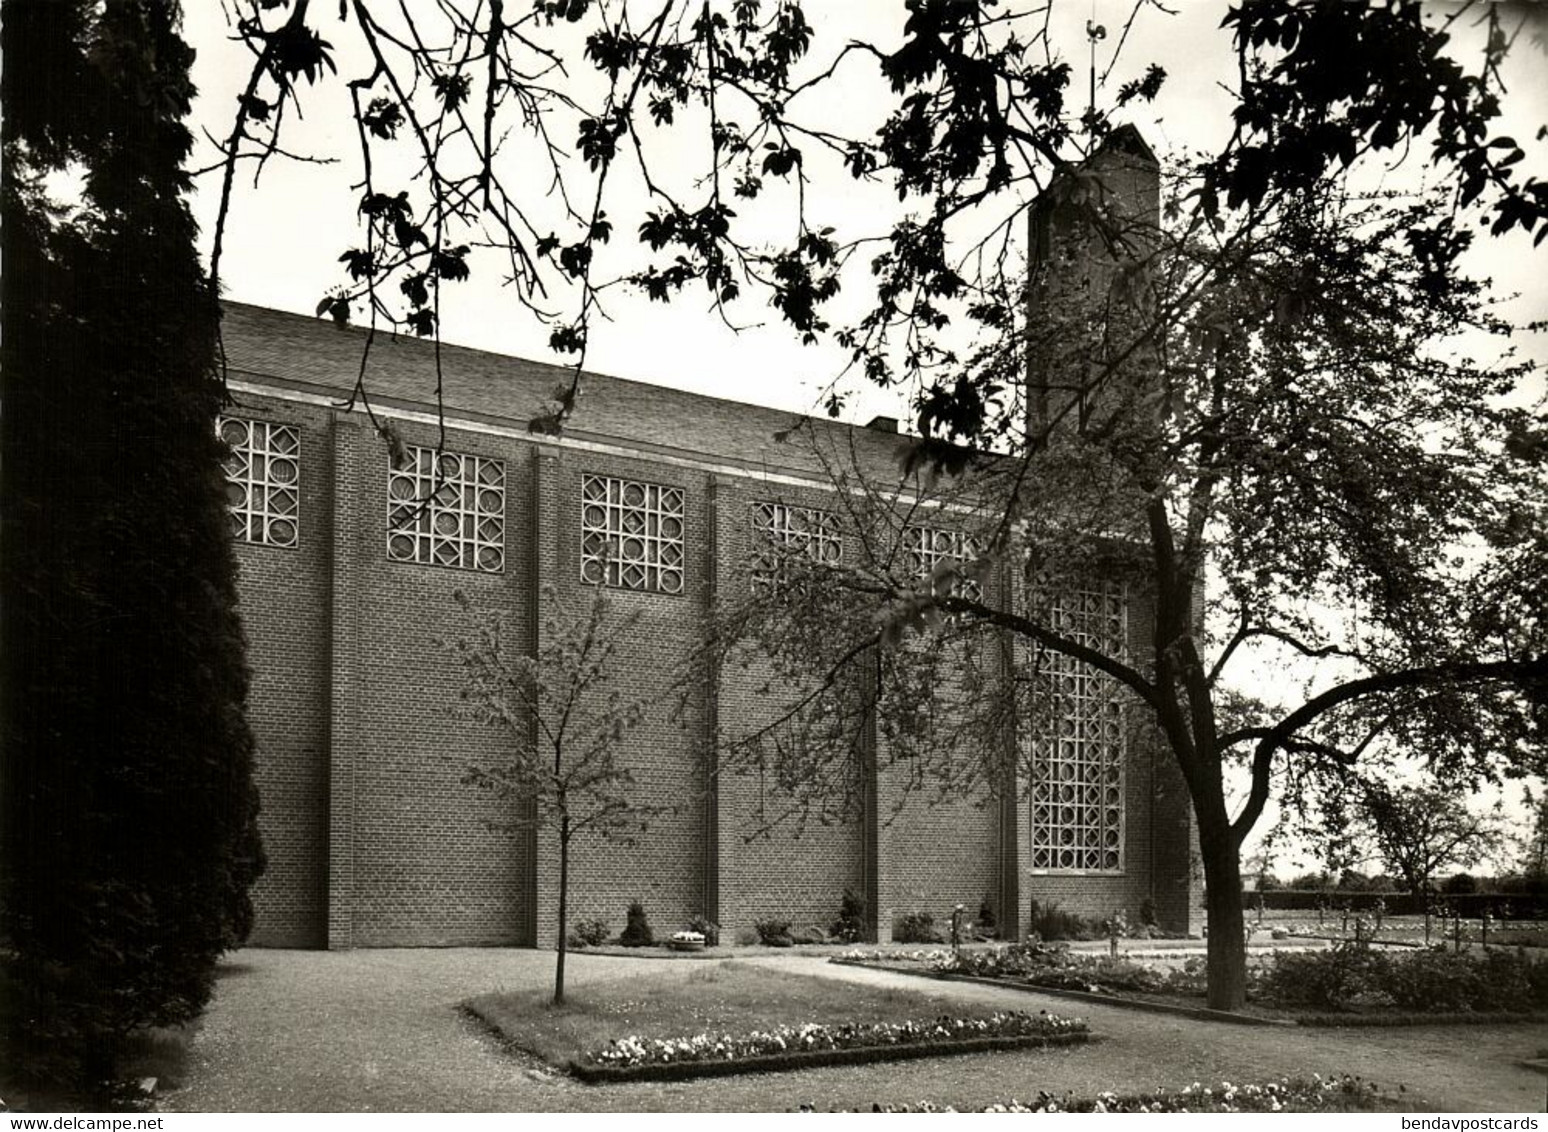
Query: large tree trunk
{"x": 1223, "y": 902}
{"x": 564, "y": 895}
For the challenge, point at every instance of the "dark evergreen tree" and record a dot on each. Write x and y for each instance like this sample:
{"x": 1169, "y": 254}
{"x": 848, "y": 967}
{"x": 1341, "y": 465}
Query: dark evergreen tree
{"x": 129, "y": 821}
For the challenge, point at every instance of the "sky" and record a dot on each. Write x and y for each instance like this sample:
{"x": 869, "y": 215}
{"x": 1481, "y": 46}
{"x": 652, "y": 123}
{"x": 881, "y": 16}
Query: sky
{"x": 284, "y": 237}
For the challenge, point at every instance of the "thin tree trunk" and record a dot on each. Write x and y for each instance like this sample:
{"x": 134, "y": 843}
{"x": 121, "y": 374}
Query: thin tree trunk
{"x": 564, "y": 894}
{"x": 1223, "y": 902}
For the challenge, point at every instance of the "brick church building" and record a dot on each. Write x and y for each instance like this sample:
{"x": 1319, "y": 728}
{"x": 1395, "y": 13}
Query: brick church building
{"x": 662, "y": 496}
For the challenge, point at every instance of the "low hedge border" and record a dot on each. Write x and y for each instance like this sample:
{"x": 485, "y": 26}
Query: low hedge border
{"x": 812, "y": 1059}
{"x": 1325, "y": 1020}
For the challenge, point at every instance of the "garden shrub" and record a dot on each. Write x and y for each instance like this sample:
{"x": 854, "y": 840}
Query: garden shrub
{"x": 1332, "y": 980}
{"x": 774, "y": 933}
{"x": 851, "y": 926}
{"x": 1435, "y": 981}
{"x": 1432, "y": 980}
{"x": 1050, "y": 922}
{"x": 1536, "y": 974}
{"x": 637, "y": 931}
{"x": 588, "y": 933}
{"x": 918, "y": 927}
{"x": 1439, "y": 981}
{"x": 809, "y": 935}
{"x": 987, "y": 926}
{"x": 708, "y": 928}
{"x": 1147, "y": 913}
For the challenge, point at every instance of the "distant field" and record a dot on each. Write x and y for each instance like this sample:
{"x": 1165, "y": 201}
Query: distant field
{"x": 1409, "y": 929}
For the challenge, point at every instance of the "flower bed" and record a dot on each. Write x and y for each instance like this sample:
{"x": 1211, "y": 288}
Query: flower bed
{"x": 790, "y": 1047}
{"x": 1313, "y": 1094}
{"x": 878, "y": 957}
{"x": 1057, "y": 968}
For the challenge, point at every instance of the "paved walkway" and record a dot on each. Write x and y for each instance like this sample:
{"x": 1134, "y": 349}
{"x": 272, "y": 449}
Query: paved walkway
{"x": 381, "y": 1031}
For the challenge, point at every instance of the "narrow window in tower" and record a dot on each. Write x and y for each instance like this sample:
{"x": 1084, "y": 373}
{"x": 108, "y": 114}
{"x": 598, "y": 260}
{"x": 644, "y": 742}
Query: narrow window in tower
{"x": 263, "y": 480}
{"x": 929, "y": 548}
{"x": 449, "y": 512}
{"x": 631, "y": 535}
{"x": 1079, "y": 738}
{"x": 782, "y": 532}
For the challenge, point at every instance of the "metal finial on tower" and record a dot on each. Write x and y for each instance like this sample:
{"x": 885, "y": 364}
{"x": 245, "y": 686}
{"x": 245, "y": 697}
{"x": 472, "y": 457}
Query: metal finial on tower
{"x": 1095, "y": 32}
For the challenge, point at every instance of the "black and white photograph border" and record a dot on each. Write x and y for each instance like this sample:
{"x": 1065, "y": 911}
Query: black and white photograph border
{"x": 773, "y": 556}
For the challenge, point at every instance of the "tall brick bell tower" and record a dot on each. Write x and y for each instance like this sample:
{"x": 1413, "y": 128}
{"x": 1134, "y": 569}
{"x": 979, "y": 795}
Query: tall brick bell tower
{"x": 1090, "y": 232}
{"x": 1090, "y": 366}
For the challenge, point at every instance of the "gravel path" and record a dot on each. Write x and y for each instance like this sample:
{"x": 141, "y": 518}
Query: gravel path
{"x": 380, "y": 1031}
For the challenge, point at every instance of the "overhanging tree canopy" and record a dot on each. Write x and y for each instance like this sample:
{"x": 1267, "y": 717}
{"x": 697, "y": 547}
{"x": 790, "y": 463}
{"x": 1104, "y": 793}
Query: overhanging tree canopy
{"x": 1276, "y": 407}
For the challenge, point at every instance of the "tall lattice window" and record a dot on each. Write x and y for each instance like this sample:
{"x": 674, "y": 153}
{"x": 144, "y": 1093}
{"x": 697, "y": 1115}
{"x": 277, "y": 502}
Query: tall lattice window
{"x": 455, "y": 518}
{"x": 781, "y": 531}
{"x": 1079, "y": 738}
{"x": 928, "y": 547}
{"x": 263, "y": 480}
{"x": 631, "y": 534}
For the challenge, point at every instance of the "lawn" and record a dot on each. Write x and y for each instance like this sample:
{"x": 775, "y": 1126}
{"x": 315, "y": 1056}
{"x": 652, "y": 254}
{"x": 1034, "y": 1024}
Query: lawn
{"x": 728, "y": 997}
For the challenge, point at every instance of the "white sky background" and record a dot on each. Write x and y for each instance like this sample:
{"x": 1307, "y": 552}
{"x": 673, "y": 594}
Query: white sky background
{"x": 283, "y": 239}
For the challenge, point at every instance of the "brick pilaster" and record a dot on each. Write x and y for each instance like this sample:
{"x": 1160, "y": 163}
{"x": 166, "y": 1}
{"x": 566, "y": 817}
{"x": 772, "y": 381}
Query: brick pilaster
{"x": 1009, "y": 825}
{"x": 543, "y": 909}
{"x": 343, "y": 683}
{"x": 720, "y": 550}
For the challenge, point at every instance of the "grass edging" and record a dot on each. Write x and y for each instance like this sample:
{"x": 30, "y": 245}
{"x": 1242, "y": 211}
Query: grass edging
{"x": 1201, "y": 1012}
{"x": 812, "y": 1059}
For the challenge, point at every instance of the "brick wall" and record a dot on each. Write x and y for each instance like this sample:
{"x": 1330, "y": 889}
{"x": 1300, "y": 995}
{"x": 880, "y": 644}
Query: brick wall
{"x": 775, "y": 863}
{"x": 429, "y": 869}
{"x": 373, "y": 839}
{"x": 284, "y": 599}
{"x": 663, "y": 865}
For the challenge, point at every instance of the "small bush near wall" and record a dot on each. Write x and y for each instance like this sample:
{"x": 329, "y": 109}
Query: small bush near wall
{"x": 918, "y": 927}
{"x": 987, "y": 926}
{"x": 850, "y": 927}
{"x": 707, "y": 928}
{"x": 588, "y": 933}
{"x": 1147, "y": 914}
{"x": 774, "y": 933}
{"x": 637, "y": 931}
{"x": 1051, "y": 922}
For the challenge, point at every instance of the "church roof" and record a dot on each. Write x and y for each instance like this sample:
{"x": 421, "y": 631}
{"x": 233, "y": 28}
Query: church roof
{"x": 318, "y": 356}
